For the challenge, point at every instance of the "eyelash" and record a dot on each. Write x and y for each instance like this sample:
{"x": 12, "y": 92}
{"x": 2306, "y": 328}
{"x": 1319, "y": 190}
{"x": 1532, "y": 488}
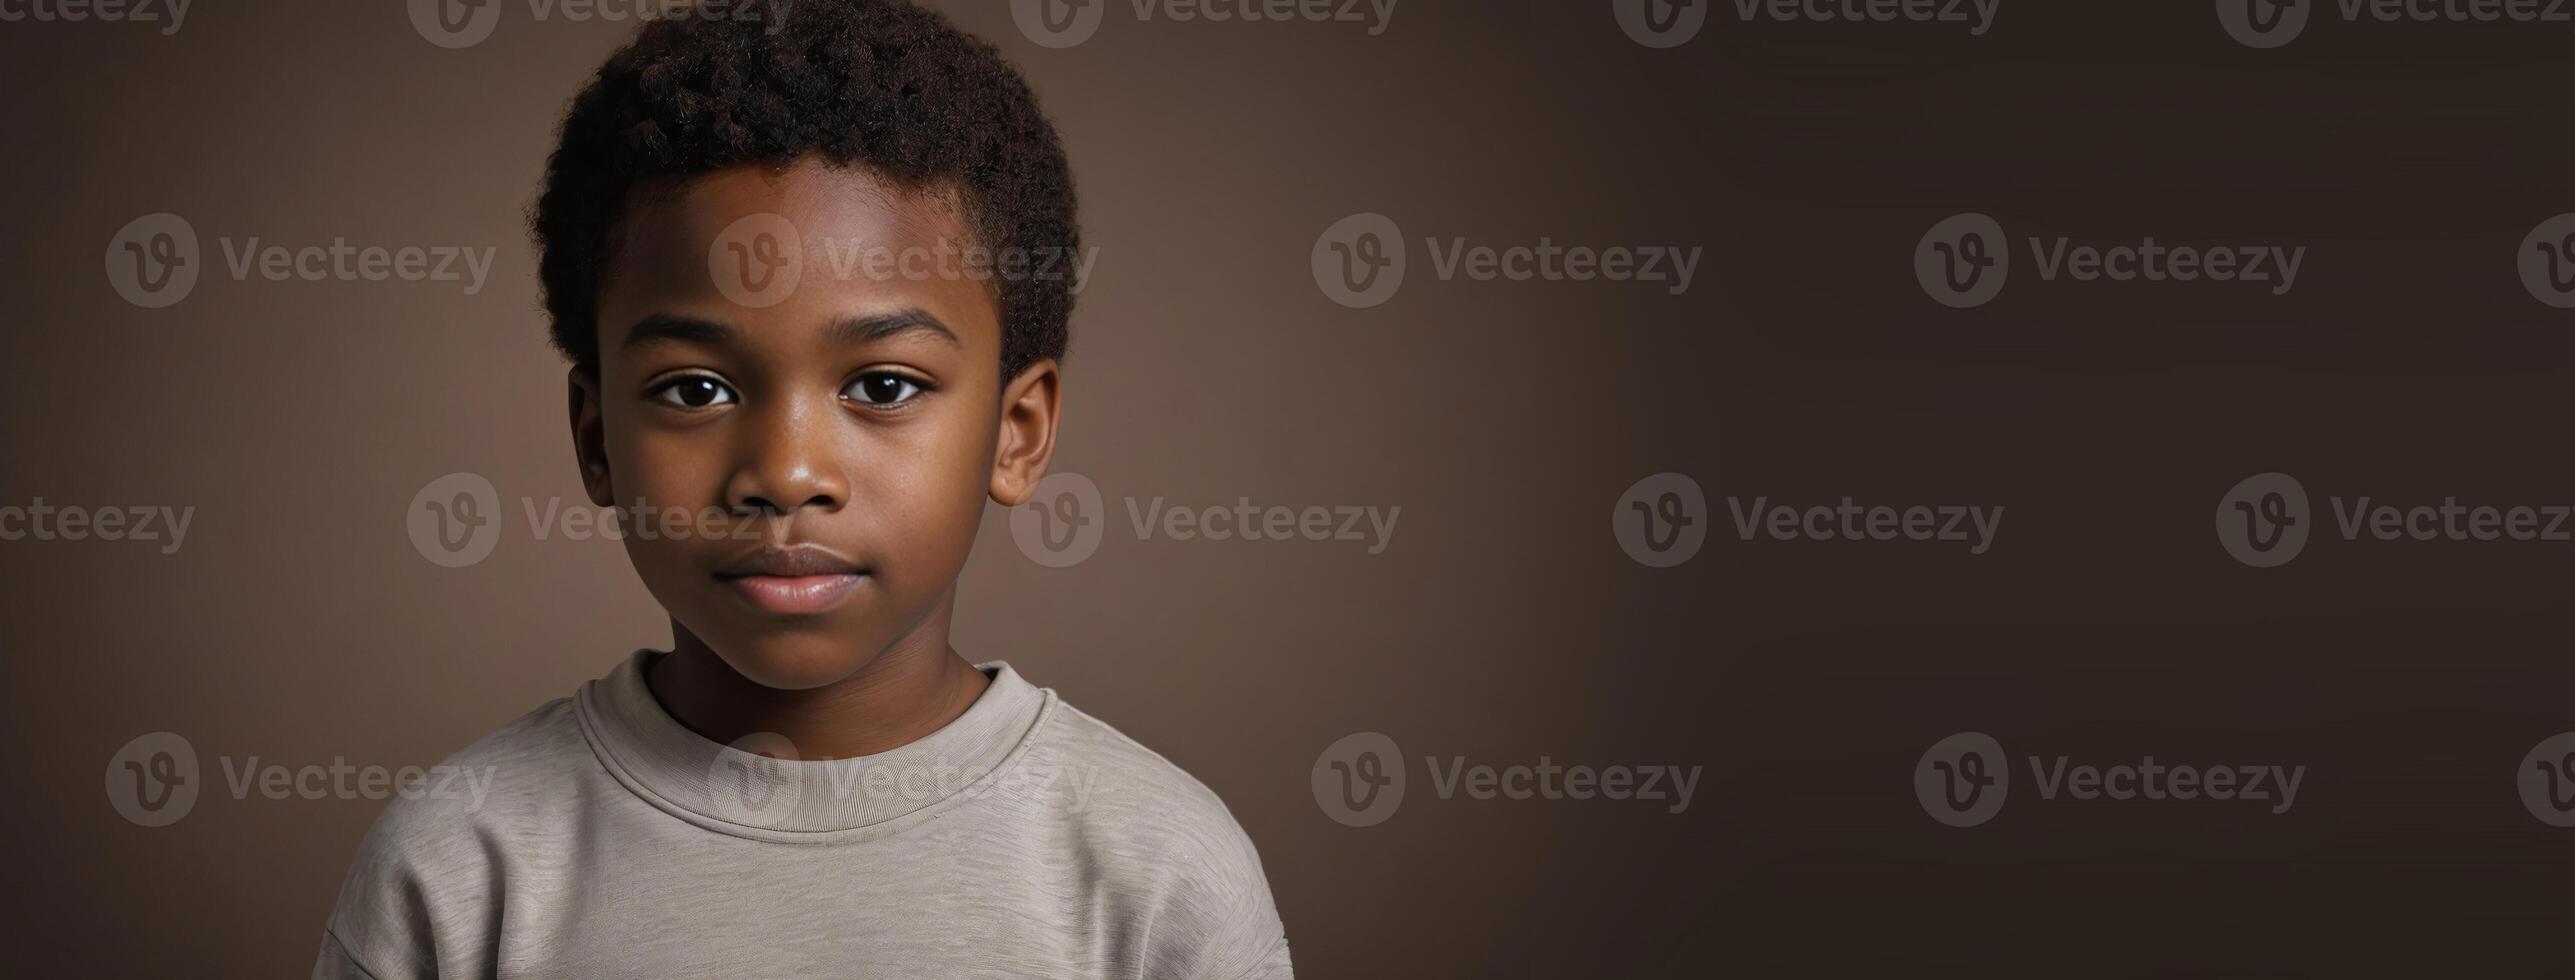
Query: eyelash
{"x": 917, "y": 388}
{"x": 666, "y": 392}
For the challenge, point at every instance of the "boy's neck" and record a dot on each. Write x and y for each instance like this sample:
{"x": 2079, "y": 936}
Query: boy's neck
{"x": 903, "y": 695}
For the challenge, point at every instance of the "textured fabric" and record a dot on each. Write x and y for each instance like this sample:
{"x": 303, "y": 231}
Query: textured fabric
{"x": 1025, "y": 839}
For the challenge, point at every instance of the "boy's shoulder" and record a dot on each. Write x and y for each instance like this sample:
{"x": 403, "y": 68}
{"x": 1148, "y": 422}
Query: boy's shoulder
{"x": 1126, "y": 796}
{"x": 1117, "y": 778}
{"x": 1156, "y": 835}
{"x": 441, "y": 835}
{"x": 495, "y": 782}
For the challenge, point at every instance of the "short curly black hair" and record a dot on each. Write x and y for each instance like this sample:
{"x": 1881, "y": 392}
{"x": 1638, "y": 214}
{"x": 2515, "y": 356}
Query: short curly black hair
{"x": 879, "y": 84}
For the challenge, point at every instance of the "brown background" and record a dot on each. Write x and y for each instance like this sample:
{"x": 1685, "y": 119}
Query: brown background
{"x": 298, "y": 625}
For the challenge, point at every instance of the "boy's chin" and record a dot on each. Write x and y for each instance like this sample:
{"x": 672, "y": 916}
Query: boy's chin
{"x": 794, "y": 663}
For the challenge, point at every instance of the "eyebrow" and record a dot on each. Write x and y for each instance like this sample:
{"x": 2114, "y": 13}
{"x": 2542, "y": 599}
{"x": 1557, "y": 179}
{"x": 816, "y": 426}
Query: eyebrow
{"x": 878, "y": 326}
{"x": 665, "y": 327}
{"x": 674, "y": 328}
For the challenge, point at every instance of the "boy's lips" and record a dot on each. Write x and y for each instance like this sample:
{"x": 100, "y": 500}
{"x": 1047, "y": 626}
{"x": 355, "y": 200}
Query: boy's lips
{"x": 796, "y": 594}
{"x": 793, "y": 579}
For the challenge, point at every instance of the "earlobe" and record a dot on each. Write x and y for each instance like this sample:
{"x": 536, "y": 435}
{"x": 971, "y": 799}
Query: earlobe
{"x": 589, "y": 437}
{"x": 1030, "y": 404}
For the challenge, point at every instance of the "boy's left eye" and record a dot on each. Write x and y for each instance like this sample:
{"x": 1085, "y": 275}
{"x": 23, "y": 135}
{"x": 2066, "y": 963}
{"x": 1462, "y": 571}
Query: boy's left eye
{"x": 882, "y": 388}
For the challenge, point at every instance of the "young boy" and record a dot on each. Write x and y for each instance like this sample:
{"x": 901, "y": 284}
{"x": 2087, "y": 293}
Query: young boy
{"x": 797, "y": 253}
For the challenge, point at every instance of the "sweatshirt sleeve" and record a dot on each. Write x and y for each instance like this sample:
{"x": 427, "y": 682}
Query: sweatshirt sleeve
{"x": 418, "y": 900}
{"x": 1215, "y": 918}
{"x": 1273, "y": 965}
{"x": 334, "y": 962}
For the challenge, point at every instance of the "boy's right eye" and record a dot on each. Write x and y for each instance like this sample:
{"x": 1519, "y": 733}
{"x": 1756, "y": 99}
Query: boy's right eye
{"x": 693, "y": 391}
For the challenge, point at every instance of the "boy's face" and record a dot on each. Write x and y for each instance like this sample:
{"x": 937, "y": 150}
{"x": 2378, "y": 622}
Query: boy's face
{"x": 828, "y": 387}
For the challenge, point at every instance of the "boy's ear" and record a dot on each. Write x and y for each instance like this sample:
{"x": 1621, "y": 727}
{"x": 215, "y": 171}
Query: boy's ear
{"x": 1029, "y": 405}
{"x": 589, "y": 439}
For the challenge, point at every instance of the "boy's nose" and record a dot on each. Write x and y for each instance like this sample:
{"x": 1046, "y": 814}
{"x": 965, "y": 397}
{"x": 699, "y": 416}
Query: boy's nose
{"x": 789, "y": 464}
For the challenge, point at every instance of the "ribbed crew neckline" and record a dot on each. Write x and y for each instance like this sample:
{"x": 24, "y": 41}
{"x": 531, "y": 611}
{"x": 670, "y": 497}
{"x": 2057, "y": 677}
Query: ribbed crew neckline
{"x": 758, "y": 788}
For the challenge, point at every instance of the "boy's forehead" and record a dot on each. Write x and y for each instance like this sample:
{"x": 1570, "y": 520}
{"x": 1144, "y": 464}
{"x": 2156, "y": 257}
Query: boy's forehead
{"x": 852, "y": 204}
{"x": 845, "y": 230}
